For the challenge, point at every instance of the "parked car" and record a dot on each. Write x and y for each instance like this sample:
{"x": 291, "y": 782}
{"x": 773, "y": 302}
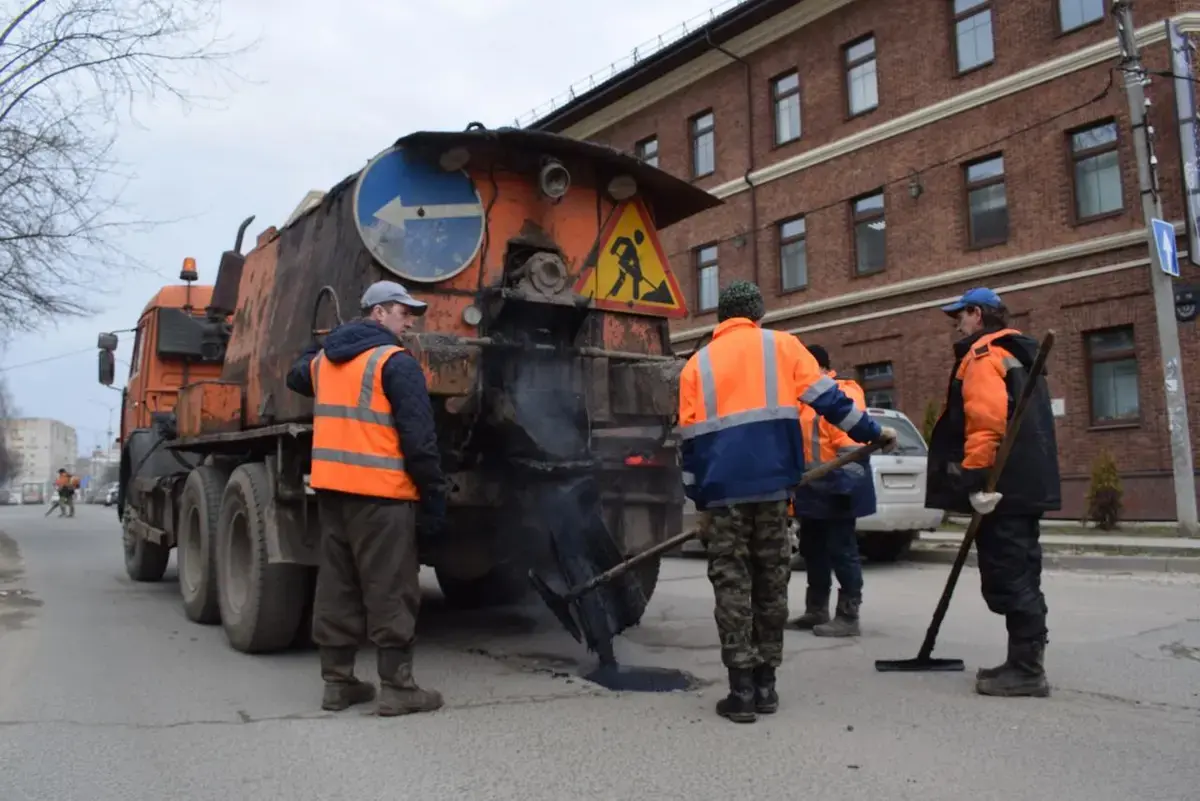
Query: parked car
{"x": 900, "y": 513}
{"x": 110, "y": 495}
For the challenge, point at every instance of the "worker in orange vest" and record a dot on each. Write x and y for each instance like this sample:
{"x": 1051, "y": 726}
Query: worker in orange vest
{"x": 828, "y": 510}
{"x": 376, "y": 469}
{"x": 741, "y": 453}
{"x": 992, "y": 362}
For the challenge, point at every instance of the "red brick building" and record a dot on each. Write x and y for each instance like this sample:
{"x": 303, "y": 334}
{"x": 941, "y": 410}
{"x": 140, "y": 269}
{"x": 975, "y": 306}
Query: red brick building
{"x": 877, "y": 158}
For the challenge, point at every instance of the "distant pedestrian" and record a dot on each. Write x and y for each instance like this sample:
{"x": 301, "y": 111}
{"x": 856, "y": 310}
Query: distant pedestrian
{"x": 991, "y": 365}
{"x": 741, "y": 454}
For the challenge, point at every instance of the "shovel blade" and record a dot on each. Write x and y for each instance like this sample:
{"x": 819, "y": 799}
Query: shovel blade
{"x": 557, "y": 604}
{"x": 918, "y": 665}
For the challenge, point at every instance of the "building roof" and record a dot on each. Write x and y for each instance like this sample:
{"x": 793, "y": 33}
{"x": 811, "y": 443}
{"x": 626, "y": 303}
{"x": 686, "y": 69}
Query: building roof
{"x": 694, "y": 42}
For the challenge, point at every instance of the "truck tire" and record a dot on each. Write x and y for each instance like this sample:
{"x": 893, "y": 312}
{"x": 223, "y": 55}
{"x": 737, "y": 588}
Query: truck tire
{"x": 885, "y": 546}
{"x": 498, "y": 587}
{"x": 144, "y": 560}
{"x": 647, "y": 576}
{"x": 195, "y": 555}
{"x": 261, "y": 604}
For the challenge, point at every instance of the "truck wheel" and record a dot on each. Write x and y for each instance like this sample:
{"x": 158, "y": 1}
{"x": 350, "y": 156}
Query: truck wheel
{"x": 144, "y": 560}
{"x": 885, "y": 546}
{"x": 260, "y": 603}
{"x": 498, "y": 587}
{"x": 199, "y": 513}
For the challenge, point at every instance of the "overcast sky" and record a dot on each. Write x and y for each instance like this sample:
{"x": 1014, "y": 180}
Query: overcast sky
{"x": 331, "y": 84}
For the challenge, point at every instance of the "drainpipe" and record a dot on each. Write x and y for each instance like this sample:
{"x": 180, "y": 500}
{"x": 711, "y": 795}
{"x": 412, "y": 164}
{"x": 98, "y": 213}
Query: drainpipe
{"x": 749, "y": 152}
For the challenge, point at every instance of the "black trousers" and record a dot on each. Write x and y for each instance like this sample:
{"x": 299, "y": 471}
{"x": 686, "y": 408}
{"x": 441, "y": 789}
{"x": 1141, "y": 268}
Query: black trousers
{"x": 1010, "y": 570}
{"x": 830, "y": 548}
{"x": 368, "y": 582}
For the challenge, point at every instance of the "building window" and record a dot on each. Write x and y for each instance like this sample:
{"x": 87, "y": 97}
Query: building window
{"x": 793, "y": 254}
{"x": 870, "y": 233}
{"x": 973, "y": 45}
{"x": 1112, "y": 376}
{"x": 647, "y": 151}
{"x": 862, "y": 84}
{"x": 1097, "y": 168}
{"x": 703, "y": 145}
{"x": 785, "y": 92}
{"x": 707, "y": 277}
{"x": 879, "y": 385}
{"x": 1075, "y": 14}
{"x": 987, "y": 202}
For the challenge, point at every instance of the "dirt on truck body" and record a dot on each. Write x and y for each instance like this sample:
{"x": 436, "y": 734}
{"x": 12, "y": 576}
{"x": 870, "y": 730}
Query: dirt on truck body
{"x": 545, "y": 347}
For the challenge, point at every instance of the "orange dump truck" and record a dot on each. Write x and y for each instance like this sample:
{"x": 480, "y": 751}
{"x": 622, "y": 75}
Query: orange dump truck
{"x": 545, "y": 349}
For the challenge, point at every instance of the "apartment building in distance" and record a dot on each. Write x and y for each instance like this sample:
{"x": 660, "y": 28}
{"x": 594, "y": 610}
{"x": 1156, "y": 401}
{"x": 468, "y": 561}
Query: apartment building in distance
{"x": 877, "y": 158}
{"x": 44, "y": 446}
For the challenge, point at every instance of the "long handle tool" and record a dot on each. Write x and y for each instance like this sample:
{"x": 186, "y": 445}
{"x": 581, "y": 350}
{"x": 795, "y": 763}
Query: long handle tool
{"x": 560, "y": 603}
{"x": 923, "y": 660}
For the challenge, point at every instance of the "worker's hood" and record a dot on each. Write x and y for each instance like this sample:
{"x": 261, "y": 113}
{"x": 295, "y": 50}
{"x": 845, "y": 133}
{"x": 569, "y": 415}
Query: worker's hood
{"x": 350, "y": 339}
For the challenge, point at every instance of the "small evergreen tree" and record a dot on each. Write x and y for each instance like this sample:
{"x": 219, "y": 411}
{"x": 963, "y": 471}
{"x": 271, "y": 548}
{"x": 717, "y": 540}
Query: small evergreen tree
{"x": 1104, "y": 493}
{"x": 931, "y": 416}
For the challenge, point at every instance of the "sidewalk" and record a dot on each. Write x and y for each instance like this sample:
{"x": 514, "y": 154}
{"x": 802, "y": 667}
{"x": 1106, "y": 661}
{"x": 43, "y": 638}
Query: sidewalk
{"x": 1092, "y": 551}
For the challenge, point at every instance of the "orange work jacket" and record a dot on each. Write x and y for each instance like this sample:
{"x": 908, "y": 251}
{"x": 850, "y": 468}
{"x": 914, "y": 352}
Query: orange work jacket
{"x": 356, "y": 447}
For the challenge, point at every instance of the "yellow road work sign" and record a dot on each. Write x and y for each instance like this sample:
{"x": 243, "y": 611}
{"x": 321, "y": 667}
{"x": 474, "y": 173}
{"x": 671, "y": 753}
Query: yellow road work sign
{"x": 631, "y": 271}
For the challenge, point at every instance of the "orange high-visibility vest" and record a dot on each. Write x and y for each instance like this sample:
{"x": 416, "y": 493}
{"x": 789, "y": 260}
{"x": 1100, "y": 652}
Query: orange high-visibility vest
{"x": 823, "y": 441}
{"x": 356, "y": 447}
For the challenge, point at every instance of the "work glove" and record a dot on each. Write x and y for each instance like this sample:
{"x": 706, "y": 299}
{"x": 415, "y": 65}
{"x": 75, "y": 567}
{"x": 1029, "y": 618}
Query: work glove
{"x": 432, "y": 520}
{"x": 985, "y": 502}
{"x": 889, "y": 438}
{"x": 855, "y": 470}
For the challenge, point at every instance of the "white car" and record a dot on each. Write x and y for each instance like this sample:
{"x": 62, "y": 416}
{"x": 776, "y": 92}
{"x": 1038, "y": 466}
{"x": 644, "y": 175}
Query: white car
{"x": 900, "y": 513}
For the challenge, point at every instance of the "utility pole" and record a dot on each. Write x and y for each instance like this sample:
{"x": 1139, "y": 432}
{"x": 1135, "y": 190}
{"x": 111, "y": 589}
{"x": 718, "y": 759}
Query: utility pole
{"x": 1136, "y": 80}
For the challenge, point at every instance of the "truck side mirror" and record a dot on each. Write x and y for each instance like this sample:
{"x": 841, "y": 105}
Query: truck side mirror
{"x": 108, "y": 367}
{"x": 107, "y": 342}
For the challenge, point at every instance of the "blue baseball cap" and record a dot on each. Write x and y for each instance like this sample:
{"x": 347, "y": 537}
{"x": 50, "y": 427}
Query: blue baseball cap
{"x": 980, "y": 296}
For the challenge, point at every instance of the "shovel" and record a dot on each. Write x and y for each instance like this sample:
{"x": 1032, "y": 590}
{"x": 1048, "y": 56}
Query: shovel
{"x": 561, "y": 603}
{"x": 924, "y": 662}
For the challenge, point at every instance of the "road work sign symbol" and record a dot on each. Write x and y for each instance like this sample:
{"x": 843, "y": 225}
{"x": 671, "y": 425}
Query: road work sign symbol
{"x": 630, "y": 271}
{"x": 1164, "y": 241}
{"x": 420, "y": 222}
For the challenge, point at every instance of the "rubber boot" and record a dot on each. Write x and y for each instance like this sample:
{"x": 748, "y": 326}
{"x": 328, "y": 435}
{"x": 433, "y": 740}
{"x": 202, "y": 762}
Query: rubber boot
{"x": 400, "y": 695}
{"x": 738, "y": 706}
{"x": 766, "y": 700}
{"x": 342, "y": 689}
{"x": 992, "y": 672}
{"x": 845, "y": 622}
{"x": 1023, "y": 676}
{"x": 816, "y": 610}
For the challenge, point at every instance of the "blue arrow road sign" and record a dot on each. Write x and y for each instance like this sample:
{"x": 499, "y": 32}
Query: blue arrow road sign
{"x": 1164, "y": 241}
{"x": 419, "y": 221}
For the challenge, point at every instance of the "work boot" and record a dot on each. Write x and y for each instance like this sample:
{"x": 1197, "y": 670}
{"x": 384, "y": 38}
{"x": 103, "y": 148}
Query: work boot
{"x": 342, "y": 689}
{"x": 992, "y": 672}
{"x": 400, "y": 694}
{"x": 816, "y": 610}
{"x": 766, "y": 700}
{"x": 738, "y": 706}
{"x": 845, "y": 622}
{"x": 1024, "y": 674}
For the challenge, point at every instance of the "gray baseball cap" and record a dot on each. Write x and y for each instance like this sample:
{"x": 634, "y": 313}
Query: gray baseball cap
{"x": 391, "y": 292}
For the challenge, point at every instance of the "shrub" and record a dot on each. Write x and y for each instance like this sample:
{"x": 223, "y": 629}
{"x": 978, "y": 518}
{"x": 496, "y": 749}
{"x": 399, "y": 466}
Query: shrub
{"x": 1104, "y": 493}
{"x": 931, "y": 416}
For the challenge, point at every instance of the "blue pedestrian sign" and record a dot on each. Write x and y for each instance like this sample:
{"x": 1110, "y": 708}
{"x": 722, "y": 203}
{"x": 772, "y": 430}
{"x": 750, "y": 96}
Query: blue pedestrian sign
{"x": 1164, "y": 243}
{"x": 419, "y": 221}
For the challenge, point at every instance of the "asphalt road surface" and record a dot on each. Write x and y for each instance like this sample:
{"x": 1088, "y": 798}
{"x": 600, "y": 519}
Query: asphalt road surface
{"x": 107, "y": 693}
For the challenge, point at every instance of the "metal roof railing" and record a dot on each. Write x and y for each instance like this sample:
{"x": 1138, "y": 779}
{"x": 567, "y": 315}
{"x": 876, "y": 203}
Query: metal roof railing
{"x": 639, "y": 53}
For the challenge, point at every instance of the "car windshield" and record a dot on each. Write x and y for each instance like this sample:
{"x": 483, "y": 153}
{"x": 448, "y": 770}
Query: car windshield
{"x": 911, "y": 443}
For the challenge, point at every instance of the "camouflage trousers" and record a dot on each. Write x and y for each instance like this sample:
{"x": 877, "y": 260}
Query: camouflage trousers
{"x": 749, "y": 565}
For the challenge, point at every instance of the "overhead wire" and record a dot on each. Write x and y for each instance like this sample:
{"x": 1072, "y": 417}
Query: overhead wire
{"x": 44, "y": 360}
{"x": 954, "y": 159}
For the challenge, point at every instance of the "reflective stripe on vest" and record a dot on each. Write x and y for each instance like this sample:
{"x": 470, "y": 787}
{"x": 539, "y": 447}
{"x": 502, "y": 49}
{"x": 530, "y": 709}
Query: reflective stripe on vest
{"x": 771, "y": 409}
{"x": 356, "y": 447}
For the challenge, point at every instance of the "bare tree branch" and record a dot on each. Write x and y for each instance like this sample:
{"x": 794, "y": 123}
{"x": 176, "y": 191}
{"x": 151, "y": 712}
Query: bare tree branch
{"x": 66, "y": 68}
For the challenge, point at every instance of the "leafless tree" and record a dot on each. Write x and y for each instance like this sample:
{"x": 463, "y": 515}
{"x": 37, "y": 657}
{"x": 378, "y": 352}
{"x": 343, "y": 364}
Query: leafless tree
{"x": 10, "y": 458}
{"x": 67, "y": 68}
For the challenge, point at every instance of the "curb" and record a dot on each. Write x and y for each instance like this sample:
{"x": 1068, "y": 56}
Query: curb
{"x": 1143, "y": 563}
